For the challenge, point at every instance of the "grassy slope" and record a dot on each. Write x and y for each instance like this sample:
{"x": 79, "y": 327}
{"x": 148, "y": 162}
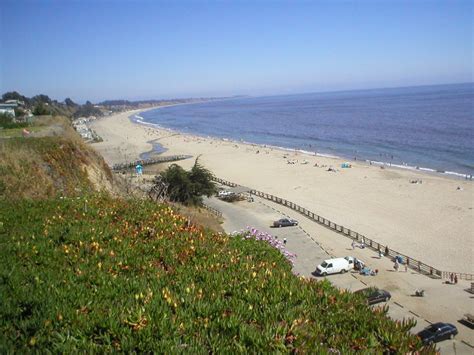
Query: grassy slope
{"x": 40, "y": 167}
{"x": 107, "y": 274}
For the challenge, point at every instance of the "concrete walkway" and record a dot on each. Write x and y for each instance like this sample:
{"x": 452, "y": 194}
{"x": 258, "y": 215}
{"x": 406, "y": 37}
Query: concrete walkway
{"x": 313, "y": 243}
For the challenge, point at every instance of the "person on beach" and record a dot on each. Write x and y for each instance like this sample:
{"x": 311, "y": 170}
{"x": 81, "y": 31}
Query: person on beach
{"x": 455, "y": 279}
{"x": 380, "y": 254}
{"x": 396, "y": 265}
{"x": 353, "y": 245}
{"x": 139, "y": 169}
{"x": 451, "y": 277}
{"x": 284, "y": 241}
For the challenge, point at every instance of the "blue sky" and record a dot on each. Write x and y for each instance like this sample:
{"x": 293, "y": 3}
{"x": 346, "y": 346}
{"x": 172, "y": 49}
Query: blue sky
{"x": 94, "y": 50}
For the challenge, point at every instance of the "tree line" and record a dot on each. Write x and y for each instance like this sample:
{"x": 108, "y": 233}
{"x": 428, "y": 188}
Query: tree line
{"x": 43, "y": 105}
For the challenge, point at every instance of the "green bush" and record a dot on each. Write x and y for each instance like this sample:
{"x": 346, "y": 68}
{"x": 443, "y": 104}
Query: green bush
{"x": 41, "y": 109}
{"x": 188, "y": 187}
{"x": 99, "y": 275}
{"x": 6, "y": 121}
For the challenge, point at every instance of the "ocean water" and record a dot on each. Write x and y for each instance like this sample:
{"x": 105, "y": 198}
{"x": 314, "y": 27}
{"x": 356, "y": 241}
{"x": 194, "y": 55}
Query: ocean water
{"x": 429, "y": 127}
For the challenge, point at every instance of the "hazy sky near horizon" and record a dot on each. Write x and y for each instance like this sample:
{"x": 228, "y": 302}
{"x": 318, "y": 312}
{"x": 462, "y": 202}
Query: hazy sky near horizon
{"x": 95, "y": 50}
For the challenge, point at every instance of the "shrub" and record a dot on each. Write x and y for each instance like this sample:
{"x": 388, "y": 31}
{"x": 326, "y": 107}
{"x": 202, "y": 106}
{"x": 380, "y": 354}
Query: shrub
{"x": 41, "y": 109}
{"x": 188, "y": 187}
{"x": 6, "y": 121}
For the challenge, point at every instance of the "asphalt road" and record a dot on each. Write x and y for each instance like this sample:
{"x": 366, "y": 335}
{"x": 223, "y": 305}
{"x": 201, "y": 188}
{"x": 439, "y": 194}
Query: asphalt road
{"x": 313, "y": 244}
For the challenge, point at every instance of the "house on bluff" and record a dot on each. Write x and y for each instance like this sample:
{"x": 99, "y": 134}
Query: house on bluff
{"x": 8, "y": 109}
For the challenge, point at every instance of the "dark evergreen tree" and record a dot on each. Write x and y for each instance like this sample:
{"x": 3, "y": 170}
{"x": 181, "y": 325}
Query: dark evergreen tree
{"x": 188, "y": 187}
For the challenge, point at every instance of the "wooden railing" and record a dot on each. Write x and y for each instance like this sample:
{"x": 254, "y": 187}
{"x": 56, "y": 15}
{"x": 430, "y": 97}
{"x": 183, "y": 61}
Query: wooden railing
{"x": 212, "y": 210}
{"x": 143, "y": 162}
{"x": 411, "y": 263}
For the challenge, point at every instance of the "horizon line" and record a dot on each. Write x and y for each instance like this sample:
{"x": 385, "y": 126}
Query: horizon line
{"x": 255, "y": 96}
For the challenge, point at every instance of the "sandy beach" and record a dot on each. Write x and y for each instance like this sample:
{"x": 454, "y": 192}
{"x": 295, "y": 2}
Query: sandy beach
{"x": 431, "y": 221}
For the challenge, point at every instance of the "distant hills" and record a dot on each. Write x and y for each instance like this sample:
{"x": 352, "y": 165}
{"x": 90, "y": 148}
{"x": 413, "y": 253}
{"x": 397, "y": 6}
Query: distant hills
{"x": 43, "y": 105}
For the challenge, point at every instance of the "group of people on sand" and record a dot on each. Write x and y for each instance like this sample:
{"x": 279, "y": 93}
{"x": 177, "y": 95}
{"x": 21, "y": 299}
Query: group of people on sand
{"x": 295, "y": 161}
{"x": 330, "y": 168}
{"x": 316, "y": 165}
{"x": 398, "y": 259}
{"x": 396, "y": 265}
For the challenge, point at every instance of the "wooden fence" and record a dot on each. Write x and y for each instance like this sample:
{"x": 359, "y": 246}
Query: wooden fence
{"x": 412, "y": 263}
{"x": 143, "y": 162}
{"x": 213, "y": 210}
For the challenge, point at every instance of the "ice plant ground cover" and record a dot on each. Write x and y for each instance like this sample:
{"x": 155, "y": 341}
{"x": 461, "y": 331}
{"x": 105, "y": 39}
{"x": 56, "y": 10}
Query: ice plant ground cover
{"x": 102, "y": 274}
{"x": 271, "y": 240}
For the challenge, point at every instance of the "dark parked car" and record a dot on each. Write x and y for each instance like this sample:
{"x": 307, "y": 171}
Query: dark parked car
{"x": 437, "y": 332}
{"x": 374, "y": 295}
{"x": 285, "y": 222}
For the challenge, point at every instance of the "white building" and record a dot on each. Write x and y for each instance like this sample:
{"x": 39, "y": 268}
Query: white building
{"x": 8, "y": 108}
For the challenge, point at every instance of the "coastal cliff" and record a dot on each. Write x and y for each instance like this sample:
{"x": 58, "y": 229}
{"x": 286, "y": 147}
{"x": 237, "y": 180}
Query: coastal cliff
{"x": 49, "y": 159}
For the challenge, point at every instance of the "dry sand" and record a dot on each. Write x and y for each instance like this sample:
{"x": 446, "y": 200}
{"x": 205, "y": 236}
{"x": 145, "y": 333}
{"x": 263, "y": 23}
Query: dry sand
{"x": 432, "y": 221}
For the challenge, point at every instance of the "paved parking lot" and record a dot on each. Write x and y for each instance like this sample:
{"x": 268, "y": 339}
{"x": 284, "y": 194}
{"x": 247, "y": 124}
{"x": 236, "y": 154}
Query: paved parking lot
{"x": 313, "y": 244}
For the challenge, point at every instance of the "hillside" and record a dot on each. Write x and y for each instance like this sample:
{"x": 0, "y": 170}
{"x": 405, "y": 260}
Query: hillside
{"x": 104, "y": 274}
{"x": 82, "y": 271}
{"x": 51, "y": 161}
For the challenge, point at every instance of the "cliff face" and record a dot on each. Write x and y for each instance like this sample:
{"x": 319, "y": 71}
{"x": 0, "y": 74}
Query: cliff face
{"x": 50, "y": 162}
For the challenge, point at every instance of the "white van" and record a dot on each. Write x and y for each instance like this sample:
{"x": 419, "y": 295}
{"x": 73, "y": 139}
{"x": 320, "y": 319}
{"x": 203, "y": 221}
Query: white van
{"x": 355, "y": 263}
{"x": 333, "y": 266}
